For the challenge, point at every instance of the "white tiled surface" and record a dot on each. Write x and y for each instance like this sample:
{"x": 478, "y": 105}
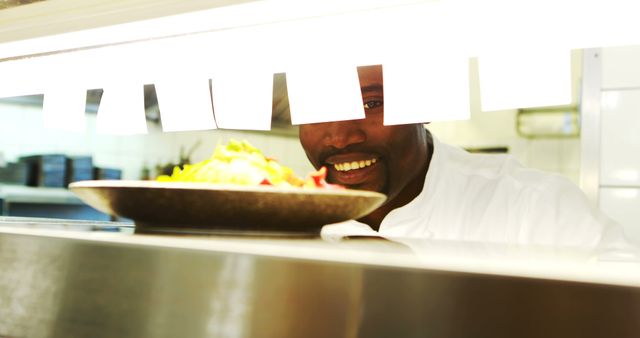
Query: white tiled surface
{"x": 623, "y": 205}
{"x": 570, "y": 159}
{"x": 620, "y": 67}
{"x": 620, "y": 137}
{"x": 545, "y": 154}
{"x": 620, "y": 142}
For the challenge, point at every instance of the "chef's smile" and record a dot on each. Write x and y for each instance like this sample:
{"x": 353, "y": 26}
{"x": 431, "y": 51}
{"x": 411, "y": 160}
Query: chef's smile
{"x": 351, "y": 169}
{"x": 346, "y": 166}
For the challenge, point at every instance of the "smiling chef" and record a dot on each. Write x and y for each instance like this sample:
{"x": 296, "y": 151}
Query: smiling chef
{"x": 440, "y": 191}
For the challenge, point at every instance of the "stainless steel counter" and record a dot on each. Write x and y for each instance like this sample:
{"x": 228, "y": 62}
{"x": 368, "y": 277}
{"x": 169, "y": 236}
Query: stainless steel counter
{"x": 80, "y": 279}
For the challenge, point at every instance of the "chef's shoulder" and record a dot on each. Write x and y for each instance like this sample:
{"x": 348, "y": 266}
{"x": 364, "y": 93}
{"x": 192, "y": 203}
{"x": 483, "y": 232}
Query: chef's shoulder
{"x": 547, "y": 207}
{"x": 502, "y": 167}
{"x": 522, "y": 184}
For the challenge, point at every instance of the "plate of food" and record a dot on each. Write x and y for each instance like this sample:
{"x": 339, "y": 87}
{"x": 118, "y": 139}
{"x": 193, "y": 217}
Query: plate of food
{"x": 237, "y": 189}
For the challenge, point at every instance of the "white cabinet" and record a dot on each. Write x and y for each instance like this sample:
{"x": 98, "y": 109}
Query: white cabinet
{"x": 617, "y": 135}
{"x": 623, "y": 205}
{"x": 621, "y": 67}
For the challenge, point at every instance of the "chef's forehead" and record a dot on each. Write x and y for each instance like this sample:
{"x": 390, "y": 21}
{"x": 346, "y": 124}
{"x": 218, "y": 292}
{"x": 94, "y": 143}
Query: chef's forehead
{"x": 370, "y": 76}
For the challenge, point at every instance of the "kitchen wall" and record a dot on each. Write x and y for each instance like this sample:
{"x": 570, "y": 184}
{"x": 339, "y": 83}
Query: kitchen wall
{"x": 22, "y": 133}
{"x": 498, "y": 129}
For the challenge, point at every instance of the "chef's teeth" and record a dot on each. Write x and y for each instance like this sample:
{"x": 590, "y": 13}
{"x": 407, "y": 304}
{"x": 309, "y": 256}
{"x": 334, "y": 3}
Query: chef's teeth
{"x": 346, "y": 166}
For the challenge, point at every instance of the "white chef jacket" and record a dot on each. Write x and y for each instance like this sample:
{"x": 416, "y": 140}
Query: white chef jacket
{"x": 491, "y": 198}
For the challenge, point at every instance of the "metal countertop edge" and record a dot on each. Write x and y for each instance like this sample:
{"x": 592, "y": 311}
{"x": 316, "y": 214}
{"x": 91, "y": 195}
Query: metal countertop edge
{"x": 620, "y": 275}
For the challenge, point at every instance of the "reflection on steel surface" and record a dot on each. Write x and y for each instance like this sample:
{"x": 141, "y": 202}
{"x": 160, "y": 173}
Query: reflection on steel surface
{"x": 30, "y": 291}
{"x": 229, "y": 303}
{"x": 64, "y": 287}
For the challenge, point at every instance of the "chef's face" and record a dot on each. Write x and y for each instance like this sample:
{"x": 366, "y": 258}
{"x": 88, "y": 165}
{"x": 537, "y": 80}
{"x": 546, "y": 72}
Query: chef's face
{"x": 364, "y": 154}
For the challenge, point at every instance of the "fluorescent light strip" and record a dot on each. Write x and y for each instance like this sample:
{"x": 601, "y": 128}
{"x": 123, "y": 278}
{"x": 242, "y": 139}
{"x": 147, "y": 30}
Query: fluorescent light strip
{"x": 526, "y": 79}
{"x": 616, "y": 24}
{"x": 214, "y": 19}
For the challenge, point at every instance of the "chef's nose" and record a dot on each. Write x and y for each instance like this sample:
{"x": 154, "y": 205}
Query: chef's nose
{"x": 340, "y": 134}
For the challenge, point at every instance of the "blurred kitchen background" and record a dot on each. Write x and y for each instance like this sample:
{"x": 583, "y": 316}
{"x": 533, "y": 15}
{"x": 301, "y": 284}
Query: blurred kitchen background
{"x": 593, "y": 140}
{"x": 544, "y": 140}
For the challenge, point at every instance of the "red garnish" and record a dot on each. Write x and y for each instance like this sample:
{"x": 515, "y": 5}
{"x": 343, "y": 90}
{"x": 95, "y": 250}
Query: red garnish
{"x": 265, "y": 181}
{"x": 319, "y": 180}
{"x": 319, "y": 176}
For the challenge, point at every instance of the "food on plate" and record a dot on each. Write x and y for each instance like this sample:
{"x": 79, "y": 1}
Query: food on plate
{"x": 238, "y": 162}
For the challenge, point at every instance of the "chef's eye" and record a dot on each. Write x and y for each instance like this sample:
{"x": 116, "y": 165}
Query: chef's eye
{"x": 372, "y": 104}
